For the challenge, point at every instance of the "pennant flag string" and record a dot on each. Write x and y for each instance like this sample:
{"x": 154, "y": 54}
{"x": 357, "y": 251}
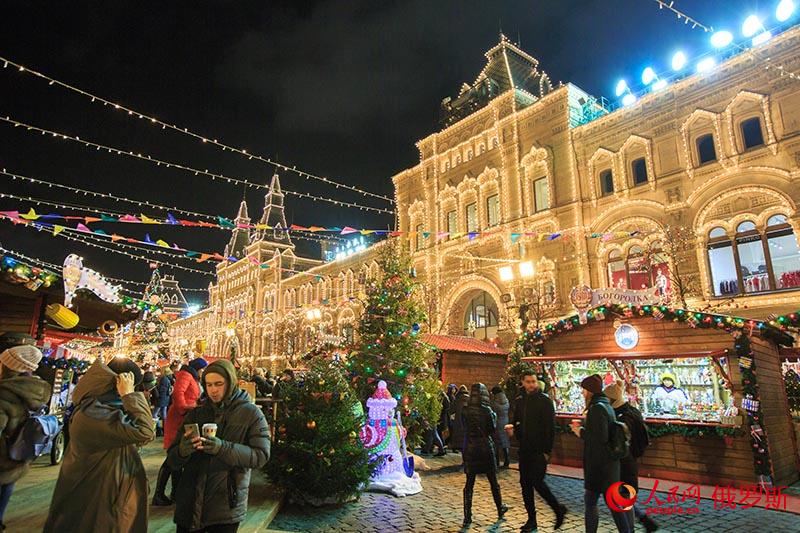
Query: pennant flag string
{"x": 186, "y": 168}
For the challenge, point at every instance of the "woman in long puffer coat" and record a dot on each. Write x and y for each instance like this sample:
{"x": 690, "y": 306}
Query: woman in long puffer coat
{"x": 479, "y": 454}
{"x": 500, "y": 407}
{"x": 456, "y": 415}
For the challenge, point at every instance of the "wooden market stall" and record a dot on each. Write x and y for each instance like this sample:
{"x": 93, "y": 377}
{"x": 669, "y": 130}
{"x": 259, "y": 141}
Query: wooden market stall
{"x": 466, "y": 360}
{"x": 720, "y": 423}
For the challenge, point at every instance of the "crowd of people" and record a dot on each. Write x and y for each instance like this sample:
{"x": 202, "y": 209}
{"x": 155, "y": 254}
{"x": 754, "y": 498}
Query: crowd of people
{"x": 480, "y": 426}
{"x": 214, "y": 435}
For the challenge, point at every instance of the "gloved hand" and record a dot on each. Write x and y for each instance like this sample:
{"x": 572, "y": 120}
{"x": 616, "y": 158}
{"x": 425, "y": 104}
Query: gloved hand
{"x": 185, "y": 448}
{"x": 212, "y": 445}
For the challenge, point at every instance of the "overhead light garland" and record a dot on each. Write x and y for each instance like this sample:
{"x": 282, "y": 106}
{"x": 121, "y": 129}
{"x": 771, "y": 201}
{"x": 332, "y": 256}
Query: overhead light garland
{"x": 185, "y": 168}
{"x": 34, "y": 277}
{"x": 185, "y": 131}
{"x": 683, "y": 16}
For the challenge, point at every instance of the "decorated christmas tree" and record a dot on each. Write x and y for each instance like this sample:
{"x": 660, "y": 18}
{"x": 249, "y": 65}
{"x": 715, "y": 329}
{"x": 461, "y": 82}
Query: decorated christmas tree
{"x": 389, "y": 349}
{"x": 317, "y": 456}
{"x": 149, "y": 330}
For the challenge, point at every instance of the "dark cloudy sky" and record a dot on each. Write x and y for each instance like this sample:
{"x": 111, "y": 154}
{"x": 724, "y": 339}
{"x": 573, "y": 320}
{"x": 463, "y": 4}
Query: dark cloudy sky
{"x": 339, "y": 88}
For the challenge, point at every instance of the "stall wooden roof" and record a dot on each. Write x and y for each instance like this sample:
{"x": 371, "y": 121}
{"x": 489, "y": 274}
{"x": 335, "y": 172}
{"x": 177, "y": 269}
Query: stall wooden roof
{"x": 462, "y": 344}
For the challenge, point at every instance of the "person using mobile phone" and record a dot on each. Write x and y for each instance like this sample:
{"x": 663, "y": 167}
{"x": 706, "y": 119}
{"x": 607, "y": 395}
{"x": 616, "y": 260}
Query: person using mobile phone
{"x": 102, "y": 485}
{"x": 221, "y": 441}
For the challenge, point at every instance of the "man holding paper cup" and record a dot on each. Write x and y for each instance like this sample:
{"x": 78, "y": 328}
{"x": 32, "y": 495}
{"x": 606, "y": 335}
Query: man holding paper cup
{"x": 222, "y": 440}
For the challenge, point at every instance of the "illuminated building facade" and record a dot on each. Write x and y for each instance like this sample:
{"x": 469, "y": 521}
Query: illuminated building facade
{"x": 527, "y": 191}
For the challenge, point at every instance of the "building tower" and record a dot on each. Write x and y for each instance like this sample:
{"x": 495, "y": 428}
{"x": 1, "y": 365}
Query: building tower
{"x": 274, "y": 217}
{"x": 240, "y": 237}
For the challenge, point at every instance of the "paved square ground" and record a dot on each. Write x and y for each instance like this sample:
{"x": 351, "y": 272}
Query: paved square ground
{"x": 438, "y": 508}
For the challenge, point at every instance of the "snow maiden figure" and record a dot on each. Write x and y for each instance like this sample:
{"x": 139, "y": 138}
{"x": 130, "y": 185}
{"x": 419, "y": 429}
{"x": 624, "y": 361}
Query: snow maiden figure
{"x": 384, "y": 437}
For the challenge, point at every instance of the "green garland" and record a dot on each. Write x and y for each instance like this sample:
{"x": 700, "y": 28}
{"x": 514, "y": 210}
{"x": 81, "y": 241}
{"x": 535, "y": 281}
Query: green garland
{"x": 684, "y": 430}
{"x": 533, "y": 341}
{"x": 747, "y": 364}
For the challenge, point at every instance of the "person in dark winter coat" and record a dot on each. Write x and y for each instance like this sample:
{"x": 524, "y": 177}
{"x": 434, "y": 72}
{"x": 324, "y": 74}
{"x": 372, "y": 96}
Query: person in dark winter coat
{"x": 533, "y": 424}
{"x": 479, "y": 453}
{"x": 102, "y": 485}
{"x": 600, "y": 469}
{"x": 185, "y": 395}
{"x": 165, "y": 384}
{"x": 451, "y": 398}
{"x": 500, "y": 407}
{"x": 213, "y": 488}
{"x": 640, "y": 440}
{"x": 263, "y": 387}
{"x": 20, "y": 393}
{"x": 457, "y": 407}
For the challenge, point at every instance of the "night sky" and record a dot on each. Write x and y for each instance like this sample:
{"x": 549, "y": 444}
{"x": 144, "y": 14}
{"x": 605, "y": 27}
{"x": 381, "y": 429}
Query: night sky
{"x": 342, "y": 89}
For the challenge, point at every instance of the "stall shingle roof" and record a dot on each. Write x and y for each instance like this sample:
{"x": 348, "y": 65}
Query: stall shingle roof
{"x": 459, "y": 343}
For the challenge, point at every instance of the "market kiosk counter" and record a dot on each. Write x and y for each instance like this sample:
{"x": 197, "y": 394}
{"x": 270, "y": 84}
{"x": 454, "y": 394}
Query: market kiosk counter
{"x": 688, "y": 385}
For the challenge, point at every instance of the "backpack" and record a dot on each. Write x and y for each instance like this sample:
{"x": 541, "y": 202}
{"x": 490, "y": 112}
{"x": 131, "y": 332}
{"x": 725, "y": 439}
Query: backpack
{"x": 640, "y": 440}
{"x": 35, "y": 437}
{"x": 619, "y": 437}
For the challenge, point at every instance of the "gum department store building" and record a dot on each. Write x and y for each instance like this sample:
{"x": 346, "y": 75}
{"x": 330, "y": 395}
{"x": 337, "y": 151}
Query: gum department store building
{"x": 716, "y": 154}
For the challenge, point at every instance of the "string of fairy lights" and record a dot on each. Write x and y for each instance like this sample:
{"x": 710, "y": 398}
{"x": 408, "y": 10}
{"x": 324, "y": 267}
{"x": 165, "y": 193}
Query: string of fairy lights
{"x": 683, "y": 16}
{"x": 185, "y": 131}
{"x": 186, "y": 168}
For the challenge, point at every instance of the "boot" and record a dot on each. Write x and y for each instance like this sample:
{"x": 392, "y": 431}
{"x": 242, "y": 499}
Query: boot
{"x": 498, "y": 501}
{"x": 467, "y": 508}
{"x": 160, "y": 498}
{"x": 529, "y": 526}
{"x": 648, "y": 523}
{"x": 561, "y": 512}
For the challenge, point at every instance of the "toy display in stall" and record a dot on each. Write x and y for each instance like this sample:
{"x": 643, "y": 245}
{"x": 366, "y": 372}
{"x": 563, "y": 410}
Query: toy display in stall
{"x": 686, "y": 389}
{"x": 32, "y": 277}
{"x": 77, "y": 277}
{"x": 62, "y": 316}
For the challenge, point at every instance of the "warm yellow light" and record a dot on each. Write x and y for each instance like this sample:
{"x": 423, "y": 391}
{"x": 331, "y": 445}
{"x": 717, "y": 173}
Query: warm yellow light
{"x": 526, "y": 269}
{"x": 230, "y": 332}
{"x": 506, "y": 273}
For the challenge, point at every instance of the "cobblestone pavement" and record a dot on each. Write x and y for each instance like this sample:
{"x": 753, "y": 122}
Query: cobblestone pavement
{"x": 438, "y": 508}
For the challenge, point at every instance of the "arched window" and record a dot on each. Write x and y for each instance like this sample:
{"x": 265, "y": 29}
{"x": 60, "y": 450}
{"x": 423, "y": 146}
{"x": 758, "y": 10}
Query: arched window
{"x": 752, "y": 260}
{"x": 640, "y": 269}
{"x": 606, "y": 182}
{"x": 639, "y": 171}
{"x": 722, "y": 263}
{"x": 480, "y": 319}
{"x": 784, "y": 253}
{"x": 706, "y": 152}
{"x": 752, "y": 136}
{"x": 617, "y": 274}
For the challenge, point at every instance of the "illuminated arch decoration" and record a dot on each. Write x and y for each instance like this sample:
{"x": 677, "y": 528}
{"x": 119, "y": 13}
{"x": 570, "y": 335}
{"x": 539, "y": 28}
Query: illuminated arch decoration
{"x": 472, "y": 282}
{"x": 77, "y": 277}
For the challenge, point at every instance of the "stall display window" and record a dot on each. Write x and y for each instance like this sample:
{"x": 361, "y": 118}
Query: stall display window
{"x": 689, "y": 389}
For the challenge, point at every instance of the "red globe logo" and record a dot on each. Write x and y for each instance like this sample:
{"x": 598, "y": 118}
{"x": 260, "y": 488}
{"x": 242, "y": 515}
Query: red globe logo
{"x": 616, "y": 501}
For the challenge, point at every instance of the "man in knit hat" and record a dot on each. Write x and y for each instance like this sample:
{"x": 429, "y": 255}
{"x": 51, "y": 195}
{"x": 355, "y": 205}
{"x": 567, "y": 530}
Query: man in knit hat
{"x": 600, "y": 468}
{"x": 20, "y": 393}
{"x": 213, "y": 488}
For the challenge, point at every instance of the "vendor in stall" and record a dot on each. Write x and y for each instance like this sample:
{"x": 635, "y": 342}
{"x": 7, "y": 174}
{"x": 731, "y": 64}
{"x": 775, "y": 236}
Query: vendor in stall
{"x": 669, "y": 395}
